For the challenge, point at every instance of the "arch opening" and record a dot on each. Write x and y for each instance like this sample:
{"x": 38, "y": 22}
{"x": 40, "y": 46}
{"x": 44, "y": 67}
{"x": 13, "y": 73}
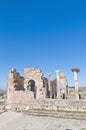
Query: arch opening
{"x": 32, "y": 87}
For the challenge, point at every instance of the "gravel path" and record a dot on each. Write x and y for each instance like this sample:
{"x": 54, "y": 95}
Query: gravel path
{"x": 18, "y": 121}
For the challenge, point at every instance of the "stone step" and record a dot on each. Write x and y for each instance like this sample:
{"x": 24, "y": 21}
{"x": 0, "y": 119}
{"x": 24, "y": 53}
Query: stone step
{"x": 58, "y": 114}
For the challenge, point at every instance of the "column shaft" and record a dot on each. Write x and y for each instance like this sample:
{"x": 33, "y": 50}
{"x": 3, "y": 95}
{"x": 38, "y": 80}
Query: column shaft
{"x": 76, "y": 85}
{"x": 58, "y": 83}
{"x": 49, "y": 83}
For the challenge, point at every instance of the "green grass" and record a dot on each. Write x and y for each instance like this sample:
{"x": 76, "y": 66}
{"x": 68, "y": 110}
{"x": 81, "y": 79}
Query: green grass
{"x": 58, "y": 110}
{"x": 76, "y": 112}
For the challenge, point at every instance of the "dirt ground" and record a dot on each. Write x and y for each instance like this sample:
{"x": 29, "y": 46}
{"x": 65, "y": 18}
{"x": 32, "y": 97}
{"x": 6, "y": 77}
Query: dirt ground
{"x": 19, "y": 121}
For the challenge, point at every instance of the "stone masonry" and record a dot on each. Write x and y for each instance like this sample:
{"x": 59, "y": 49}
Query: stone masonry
{"x": 34, "y": 86}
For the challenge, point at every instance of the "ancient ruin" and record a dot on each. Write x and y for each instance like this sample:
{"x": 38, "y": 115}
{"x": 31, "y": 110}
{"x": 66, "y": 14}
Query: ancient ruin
{"x": 34, "y": 86}
{"x": 76, "y": 70}
{"x": 34, "y": 91}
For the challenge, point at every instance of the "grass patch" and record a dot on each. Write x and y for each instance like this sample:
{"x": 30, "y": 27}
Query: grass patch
{"x": 75, "y": 112}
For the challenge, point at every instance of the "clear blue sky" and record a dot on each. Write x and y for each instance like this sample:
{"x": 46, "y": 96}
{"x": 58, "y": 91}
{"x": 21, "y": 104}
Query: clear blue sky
{"x": 45, "y": 34}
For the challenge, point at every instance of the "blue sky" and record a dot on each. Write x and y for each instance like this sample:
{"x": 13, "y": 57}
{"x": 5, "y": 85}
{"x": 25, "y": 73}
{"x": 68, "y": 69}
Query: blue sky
{"x": 45, "y": 34}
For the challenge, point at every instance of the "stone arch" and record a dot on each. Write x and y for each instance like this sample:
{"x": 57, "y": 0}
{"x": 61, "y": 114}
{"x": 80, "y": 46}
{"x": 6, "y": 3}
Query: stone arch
{"x": 32, "y": 87}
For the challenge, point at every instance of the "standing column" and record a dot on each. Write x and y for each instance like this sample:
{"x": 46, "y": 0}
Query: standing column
{"x": 49, "y": 83}
{"x": 58, "y": 83}
{"x": 76, "y": 70}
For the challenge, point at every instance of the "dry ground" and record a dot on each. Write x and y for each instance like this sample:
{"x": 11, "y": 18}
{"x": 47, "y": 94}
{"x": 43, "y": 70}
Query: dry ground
{"x": 19, "y": 121}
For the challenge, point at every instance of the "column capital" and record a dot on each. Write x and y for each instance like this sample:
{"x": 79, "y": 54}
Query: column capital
{"x": 75, "y": 70}
{"x": 57, "y": 71}
{"x": 49, "y": 74}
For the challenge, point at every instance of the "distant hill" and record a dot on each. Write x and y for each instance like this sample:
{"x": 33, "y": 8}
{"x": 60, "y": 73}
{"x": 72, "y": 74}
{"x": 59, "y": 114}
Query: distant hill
{"x": 82, "y": 92}
{"x": 3, "y": 92}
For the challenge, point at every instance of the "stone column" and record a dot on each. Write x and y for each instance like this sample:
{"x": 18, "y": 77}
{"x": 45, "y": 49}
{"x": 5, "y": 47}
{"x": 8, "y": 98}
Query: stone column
{"x": 76, "y": 70}
{"x": 58, "y": 83}
{"x": 49, "y": 83}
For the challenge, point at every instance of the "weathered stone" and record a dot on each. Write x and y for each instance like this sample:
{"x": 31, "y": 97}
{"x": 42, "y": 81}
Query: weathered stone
{"x": 23, "y": 91}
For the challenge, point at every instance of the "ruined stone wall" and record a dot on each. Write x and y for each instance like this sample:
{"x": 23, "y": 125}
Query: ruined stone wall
{"x": 20, "y": 99}
{"x": 15, "y": 83}
{"x": 36, "y": 76}
{"x": 54, "y": 104}
{"x": 22, "y": 102}
{"x": 46, "y": 87}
